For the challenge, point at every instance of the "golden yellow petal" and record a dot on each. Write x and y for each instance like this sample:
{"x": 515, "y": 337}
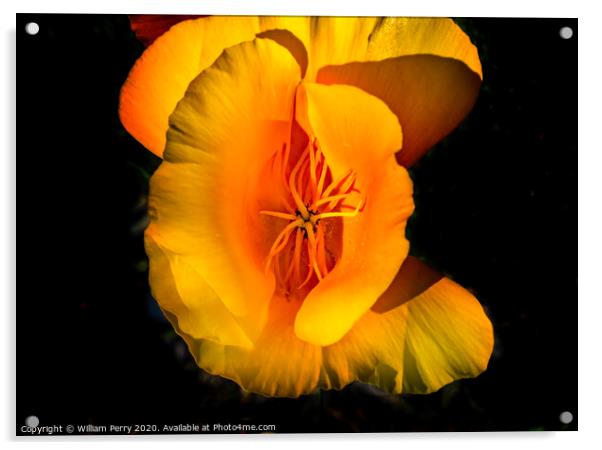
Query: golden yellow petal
{"x": 161, "y": 75}
{"x": 180, "y": 290}
{"x": 279, "y": 364}
{"x": 356, "y": 131}
{"x": 437, "y": 337}
{"x": 232, "y": 118}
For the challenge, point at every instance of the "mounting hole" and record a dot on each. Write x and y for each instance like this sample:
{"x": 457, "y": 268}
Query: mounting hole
{"x": 566, "y": 32}
{"x": 32, "y": 421}
{"x": 32, "y": 28}
{"x": 566, "y": 417}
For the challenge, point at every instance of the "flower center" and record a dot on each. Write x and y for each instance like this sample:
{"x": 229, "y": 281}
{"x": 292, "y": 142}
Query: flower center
{"x": 301, "y": 255}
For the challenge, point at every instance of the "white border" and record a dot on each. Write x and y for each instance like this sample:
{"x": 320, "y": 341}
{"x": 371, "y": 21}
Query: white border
{"x": 461, "y": 8}
{"x": 590, "y": 223}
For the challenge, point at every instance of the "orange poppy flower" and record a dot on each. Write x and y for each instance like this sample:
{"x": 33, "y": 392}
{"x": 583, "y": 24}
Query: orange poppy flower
{"x": 277, "y": 217}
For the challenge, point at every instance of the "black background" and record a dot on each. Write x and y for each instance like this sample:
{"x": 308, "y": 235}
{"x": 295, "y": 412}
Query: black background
{"x": 496, "y": 211}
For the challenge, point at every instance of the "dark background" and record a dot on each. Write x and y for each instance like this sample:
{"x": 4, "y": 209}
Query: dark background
{"x": 496, "y": 211}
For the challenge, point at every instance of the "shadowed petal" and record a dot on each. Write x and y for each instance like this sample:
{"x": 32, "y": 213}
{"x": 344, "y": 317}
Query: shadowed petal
{"x": 440, "y": 335}
{"x": 429, "y": 94}
{"x": 425, "y": 69}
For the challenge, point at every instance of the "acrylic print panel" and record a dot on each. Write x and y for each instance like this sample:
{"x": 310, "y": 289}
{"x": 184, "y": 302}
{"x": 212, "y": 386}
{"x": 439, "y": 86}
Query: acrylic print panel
{"x": 243, "y": 224}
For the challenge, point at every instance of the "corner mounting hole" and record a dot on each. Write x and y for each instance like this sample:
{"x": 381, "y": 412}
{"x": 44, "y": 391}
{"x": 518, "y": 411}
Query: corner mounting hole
{"x": 566, "y": 417}
{"x": 32, "y": 28}
{"x": 566, "y": 32}
{"x": 32, "y": 421}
